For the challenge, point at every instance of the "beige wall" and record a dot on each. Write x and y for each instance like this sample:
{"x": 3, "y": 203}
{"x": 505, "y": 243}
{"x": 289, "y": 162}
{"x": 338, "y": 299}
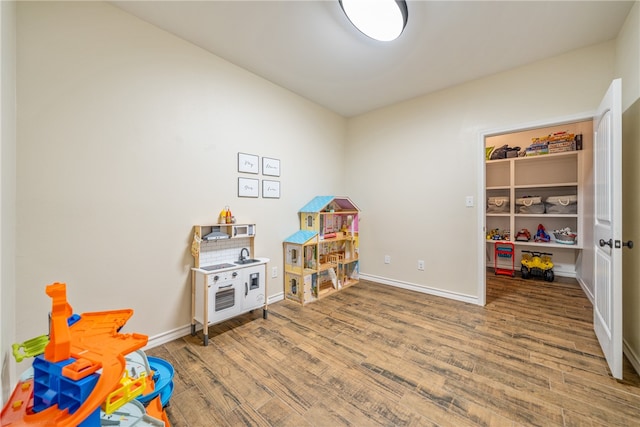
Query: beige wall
{"x": 628, "y": 57}
{"x": 421, "y": 159}
{"x": 128, "y": 136}
{"x": 8, "y": 195}
{"x": 628, "y": 67}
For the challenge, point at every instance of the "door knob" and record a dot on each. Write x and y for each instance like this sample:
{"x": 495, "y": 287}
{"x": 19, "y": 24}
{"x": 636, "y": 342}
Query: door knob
{"x": 628, "y": 244}
{"x": 604, "y": 243}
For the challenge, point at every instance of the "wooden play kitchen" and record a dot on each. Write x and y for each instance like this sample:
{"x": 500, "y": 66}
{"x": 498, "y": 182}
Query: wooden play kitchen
{"x": 227, "y": 279}
{"x": 322, "y": 257}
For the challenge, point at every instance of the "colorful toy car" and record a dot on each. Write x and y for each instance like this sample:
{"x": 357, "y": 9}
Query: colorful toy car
{"x": 523, "y": 235}
{"x": 497, "y": 234}
{"x": 542, "y": 235}
{"x": 537, "y": 264}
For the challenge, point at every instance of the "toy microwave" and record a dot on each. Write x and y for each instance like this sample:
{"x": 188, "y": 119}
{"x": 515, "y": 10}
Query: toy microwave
{"x": 244, "y": 230}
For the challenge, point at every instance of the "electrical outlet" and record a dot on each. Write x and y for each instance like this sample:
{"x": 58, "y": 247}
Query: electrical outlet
{"x": 387, "y": 259}
{"x": 274, "y": 272}
{"x": 420, "y": 265}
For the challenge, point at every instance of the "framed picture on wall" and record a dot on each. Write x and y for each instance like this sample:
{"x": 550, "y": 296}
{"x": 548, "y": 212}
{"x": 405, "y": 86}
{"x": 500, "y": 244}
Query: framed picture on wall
{"x": 248, "y": 187}
{"x": 270, "y": 167}
{"x": 270, "y": 189}
{"x": 248, "y": 163}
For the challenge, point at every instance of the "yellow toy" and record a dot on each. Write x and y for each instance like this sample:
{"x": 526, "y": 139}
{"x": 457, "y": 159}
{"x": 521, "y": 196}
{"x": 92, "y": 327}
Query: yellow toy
{"x": 537, "y": 264}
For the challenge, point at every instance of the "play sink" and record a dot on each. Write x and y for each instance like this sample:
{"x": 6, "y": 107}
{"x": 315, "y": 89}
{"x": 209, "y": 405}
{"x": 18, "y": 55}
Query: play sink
{"x": 246, "y": 261}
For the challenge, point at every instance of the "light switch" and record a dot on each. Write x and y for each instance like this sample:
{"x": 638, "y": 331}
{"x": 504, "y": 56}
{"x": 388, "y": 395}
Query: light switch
{"x": 469, "y": 201}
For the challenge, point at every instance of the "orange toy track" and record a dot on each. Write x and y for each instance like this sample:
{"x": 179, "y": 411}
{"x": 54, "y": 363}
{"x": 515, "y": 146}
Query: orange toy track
{"x": 156, "y": 410}
{"x": 18, "y": 402}
{"x": 95, "y": 343}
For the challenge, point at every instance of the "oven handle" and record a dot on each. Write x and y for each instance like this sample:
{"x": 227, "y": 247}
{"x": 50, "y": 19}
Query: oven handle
{"x": 246, "y": 289}
{"x": 227, "y": 286}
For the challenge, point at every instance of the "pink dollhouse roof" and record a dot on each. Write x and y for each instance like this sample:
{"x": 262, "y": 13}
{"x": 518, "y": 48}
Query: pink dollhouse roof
{"x": 320, "y": 203}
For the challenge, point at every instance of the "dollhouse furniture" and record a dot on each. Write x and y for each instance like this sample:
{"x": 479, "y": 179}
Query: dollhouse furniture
{"x": 322, "y": 257}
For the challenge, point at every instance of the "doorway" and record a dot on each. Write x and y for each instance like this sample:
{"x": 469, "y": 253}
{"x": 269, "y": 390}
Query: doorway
{"x": 505, "y": 180}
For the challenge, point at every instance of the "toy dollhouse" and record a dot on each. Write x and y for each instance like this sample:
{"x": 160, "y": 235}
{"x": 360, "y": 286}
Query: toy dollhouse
{"x": 322, "y": 257}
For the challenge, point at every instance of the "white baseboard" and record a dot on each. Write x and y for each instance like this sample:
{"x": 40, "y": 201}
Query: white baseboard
{"x": 168, "y": 336}
{"x": 586, "y": 290}
{"x": 565, "y": 273}
{"x": 180, "y": 332}
{"x": 421, "y": 288}
{"x": 275, "y": 298}
{"x": 632, "y": 356}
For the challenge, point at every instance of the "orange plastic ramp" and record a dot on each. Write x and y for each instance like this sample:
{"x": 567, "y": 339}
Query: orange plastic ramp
{"x": 59, "y": 338}
{"x": 156, "y": 410}
{"x": 94, "y": 340}
{"x": 17, "y": 404}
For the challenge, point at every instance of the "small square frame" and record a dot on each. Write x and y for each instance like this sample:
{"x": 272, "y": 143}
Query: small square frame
{"x": 270, "y": 189}
{"x": 248, "y": 163}
{"x": 270, "y": 167}
{"x": 248, "y": 187}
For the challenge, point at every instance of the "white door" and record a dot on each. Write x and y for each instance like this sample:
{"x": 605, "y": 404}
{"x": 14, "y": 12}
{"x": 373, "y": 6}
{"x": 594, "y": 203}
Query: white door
{"x": 607, "y": 309}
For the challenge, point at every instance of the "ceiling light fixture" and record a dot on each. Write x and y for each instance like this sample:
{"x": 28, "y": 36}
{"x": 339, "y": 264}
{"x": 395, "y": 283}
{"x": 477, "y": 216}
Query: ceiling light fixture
{"x": 382, "y": 20}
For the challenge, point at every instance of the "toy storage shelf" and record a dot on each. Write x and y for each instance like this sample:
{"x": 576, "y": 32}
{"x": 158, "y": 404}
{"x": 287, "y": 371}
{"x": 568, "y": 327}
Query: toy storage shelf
{"x": 536, "y": 186}
{"x": 545, "y": 215}
{"x": 544, "y": 176}
{"x": 535, "y": 244}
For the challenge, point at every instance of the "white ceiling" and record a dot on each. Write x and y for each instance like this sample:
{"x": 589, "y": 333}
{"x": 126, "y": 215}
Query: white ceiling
{"x": 310, "y": 48}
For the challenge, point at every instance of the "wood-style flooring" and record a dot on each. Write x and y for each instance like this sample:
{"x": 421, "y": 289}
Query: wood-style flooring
{"x": 374, "y": 355}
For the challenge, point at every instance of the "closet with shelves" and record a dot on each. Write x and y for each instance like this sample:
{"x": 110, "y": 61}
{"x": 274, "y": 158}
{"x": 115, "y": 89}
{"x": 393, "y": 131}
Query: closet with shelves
{"x": 523, "y": 192}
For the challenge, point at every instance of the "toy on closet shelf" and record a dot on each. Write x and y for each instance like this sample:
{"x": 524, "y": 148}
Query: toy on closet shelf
{"x": 504, "y": 152}
{"x": 542, "y": 236}
{"x": 523, "y": 235}
{"x": 497, "y": 234}
{"x": 565, "y": 236}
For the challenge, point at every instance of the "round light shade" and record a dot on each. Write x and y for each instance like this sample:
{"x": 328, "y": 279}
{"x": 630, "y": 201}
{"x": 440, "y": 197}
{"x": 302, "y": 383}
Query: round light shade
{"x": 381, "y": 20}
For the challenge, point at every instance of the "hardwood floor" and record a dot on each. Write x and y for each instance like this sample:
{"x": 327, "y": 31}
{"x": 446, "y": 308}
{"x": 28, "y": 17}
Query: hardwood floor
{"x": 374, "y": 355}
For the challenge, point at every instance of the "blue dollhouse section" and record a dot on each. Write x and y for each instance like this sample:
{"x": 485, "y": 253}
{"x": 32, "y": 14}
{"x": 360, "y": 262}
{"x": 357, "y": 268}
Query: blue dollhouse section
{"x": 317, "y": 204}
{"x": 301, "y": 237}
